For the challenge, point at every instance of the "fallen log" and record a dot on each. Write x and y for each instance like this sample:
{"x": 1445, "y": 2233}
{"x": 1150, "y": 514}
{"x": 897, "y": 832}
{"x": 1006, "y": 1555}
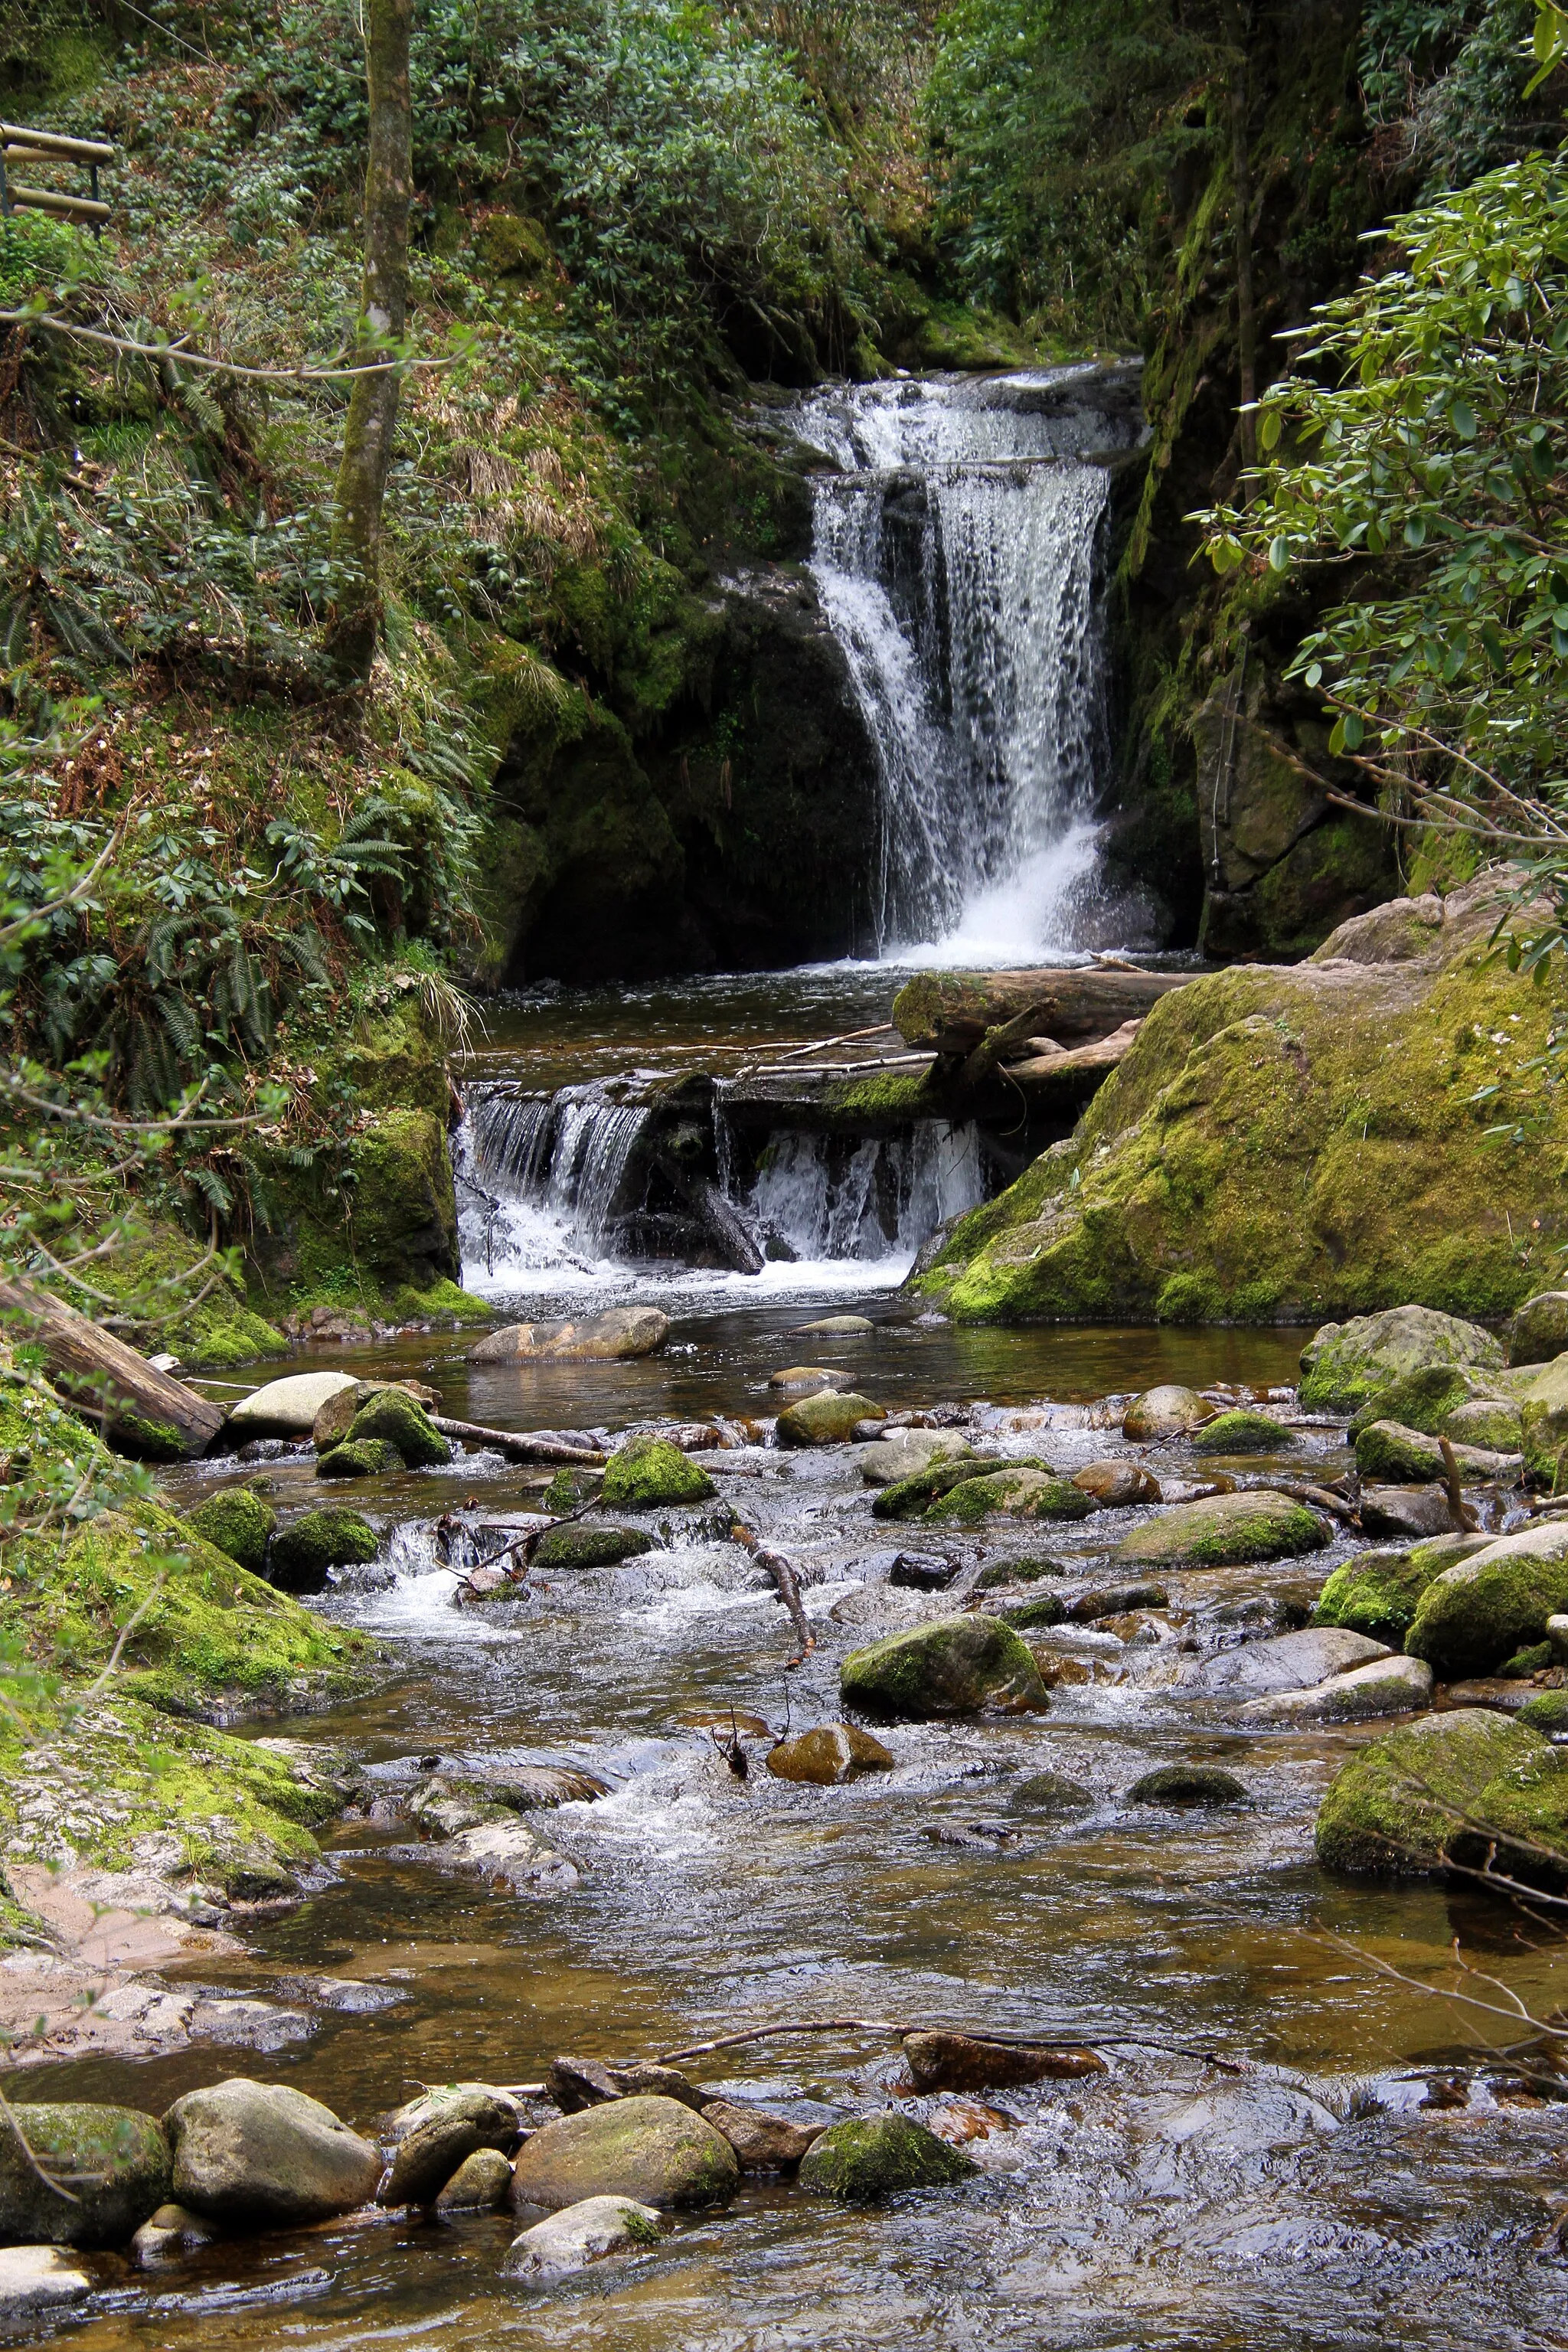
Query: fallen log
{"x": 949, "y": 1013}
{"x": 719, "y": 1218}
{"x": 534, "y": 1445}
{"x": 787, "y": 1581}
{"x": 144, "y": 1412}
{"x": 1044, "y": 1073}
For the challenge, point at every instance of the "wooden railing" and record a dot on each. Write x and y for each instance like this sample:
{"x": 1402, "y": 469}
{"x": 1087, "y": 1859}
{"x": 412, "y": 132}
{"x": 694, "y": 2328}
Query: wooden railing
{"x": 18, "y": 144}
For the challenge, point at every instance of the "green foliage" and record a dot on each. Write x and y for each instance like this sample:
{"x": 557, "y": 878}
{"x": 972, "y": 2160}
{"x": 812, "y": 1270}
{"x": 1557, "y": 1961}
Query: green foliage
{"x": 1449, "y": 77}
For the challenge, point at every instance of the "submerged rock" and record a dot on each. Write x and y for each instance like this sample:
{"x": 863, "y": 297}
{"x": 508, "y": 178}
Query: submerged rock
{"x": 829, "y": 1418}
{"x": 621, "y": 1332}
{"x": 170, "y": 2234}
{"x": 261, "y": 2154}
{"x": 1377, "y": 1592}
{"x": 648, "y": 1470}
{"x": 874, "y": 2156}
{"x": 286, "y": 1408}
{"x": 1345, "y": 1365}
{"x": 651, "y": 2148}
{"x": 1050, "y": 1793}
{"x": 953, "y": 1665}
{"x": 1475, "y": 1614}
{"x": 1168, "y": 1411}
{"x": 1391, "y": 1685}
{"x": 1117, "y": 1484}
{"x": 1188, "y": 1784}
{"x": 591, "y": 1547}
{"x": 839, "y": 1326}
{"x": 1243, "y": 1432}
{"x": 1115, "y": 1600}
{"x": 587, "y": 2231}
{"x": 302, "y": 1552}
{"x": 966, "y": 2062}
{"x": 1407, "y": 1801}
{"x": 239, "y": 1523}
{"x": 808, "y": 1380}
{"x": 113, "y": 2161}
{"x": 1227, "y": 1530}
{"x": 505, "y": 1856}
{"x": 834, "y": 1753}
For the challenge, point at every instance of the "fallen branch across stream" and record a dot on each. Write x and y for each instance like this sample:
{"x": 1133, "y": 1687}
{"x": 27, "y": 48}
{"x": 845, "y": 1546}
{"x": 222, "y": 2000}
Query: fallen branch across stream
{"x": 537, "y": 1445}
{"x": 1079, "y": 2041}
{"x": 788, "y": 1584}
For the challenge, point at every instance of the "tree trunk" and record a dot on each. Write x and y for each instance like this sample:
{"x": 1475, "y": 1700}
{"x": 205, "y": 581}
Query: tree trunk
{"x": 144, "y": 1412}
{"x": 949, "y": 1013}
{"x": 1237, "y": 28}
{"x": 383, "y": 313}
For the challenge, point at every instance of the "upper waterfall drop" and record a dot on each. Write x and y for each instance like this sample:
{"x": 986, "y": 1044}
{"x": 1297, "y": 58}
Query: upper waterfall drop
{"x": 957, "y": 553}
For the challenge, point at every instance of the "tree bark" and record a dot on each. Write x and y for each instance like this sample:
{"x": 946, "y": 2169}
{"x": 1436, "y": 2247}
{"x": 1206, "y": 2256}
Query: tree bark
{"x": 144, "y": 1412}
{"x": 949, "y": 1013}
{"x": 1236, "y": 18}
{"x": 383, "y": 314}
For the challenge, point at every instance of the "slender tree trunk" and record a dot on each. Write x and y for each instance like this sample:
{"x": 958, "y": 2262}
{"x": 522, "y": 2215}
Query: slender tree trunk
{"x": 1237, "y": 28}
{"x": 383, "y": 311}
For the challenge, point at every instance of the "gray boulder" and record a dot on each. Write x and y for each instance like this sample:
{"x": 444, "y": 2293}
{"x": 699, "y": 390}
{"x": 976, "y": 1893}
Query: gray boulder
{"x": 460, "y": 2120}
{"x": 1391, "y": 1685}
{"x": 482, "y": 2184}
{"x": 588, "y": 2232}
{"x": 1290, "y": 1662}
{"x": 114, "y": 2162}
{"x": 287, "y": 1408}
{"x": 619, "y": 1333}
{"x": 653, "y": 2150}
{"x": 262, "y": 2153}
{"x": 1473, "y": 1616}
{"x": 1167, "y": 1412}
{"x": 1410, "y": 1511}
{"x": 1344, "y": 1365}
{"x": 1540, "y": 1329}
{"x": 763, "y": 2141}
{"x": 34, "y": 2279}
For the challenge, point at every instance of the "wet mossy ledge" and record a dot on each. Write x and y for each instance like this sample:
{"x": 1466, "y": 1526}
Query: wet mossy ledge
{"x": 1289, "y": 1144}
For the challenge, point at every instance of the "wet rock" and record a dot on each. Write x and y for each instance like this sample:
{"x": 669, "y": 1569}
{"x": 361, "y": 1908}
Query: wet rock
{"x": 911, "y": 1497}
{"x": 953, "y": 1665}
{"x": 1474, "y": 1615}
{"x": 468, "y": 2097}
{"x": 528, "y": 1788}
{"x": 578, "y": 2083}
{"x": 239, "y": 1523}
{"x": 1050, "y": 1793}
{"x": 1117, "y": 1484}
{"x": 1248, "y": 2120}
{"x": 302, "y": 1553}
{"x": 1344, "y": 1365}
{"x": 114, "y": 2162}
{"x": 1115, "y": 1600}
{"x": 172, "y": 2233}
{"x": 808, "y": 1380}
{"x": 1540, "y": 1329}
{"x": 1018, "y": 1572}
{"x": 650, "y": 2148}
{"x": 1188, "y": 1784}
{"x": 829, "y": 1418}
{"x": 1243, "y": 1432}
{"x": 1167, "y": 1412}
{"x": 1406, "y": 1511}
{"x": 1226, "y": 1532}
{"x": 964, "y": 2062}
{"x": 1543, "y": 1419}
{"x": 1547, "y": 1712}
{"x": 1557, "y": 1635}
{"x": 647, "y": 1472}
{"x": 923, "y": 1572}
{"x": 36, "y": 2279}
{"x": 1045, "y": 1609}
{"x": 507, "y": 1857}
{"x": 763, "y": 2142}
{"x": 1377, "y": 1592}
{"x": 620, "y": 1333}
{"x": 1289, "y": 1662}
{"x": 975, "y": 1837}
{"x": 838, "y": 1327}
{"x": 1386, "y": 1452}
{"x": 260, "y": 2154}
{"x": 461, "y": 2120}
{"x": 393, "y": 1418}
{"x": 1408, "y": 1801}
{"x": 286, "y": 1408}
{"x": 1196, "y": 1490}
{"x": 337, "y": 1417}
{"x": 874, "y": 2156}
{"x": 1491, "y": 1423}
{"x": 360, "y": 1457}
{"x": 829, "y": 1756}
{"x": 1025, "y": 1492}
{"x": 1391, "y": 1685}
{"x": 587, "y": 2231}
{"x": 482, "y": 2184}
{"x": 900, "y": 1453}
{"x": 1427, "y": 1399}
{"x": 591, "y": 1547}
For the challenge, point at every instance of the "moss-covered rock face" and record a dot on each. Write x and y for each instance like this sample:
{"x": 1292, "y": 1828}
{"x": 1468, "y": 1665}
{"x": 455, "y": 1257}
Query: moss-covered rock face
{"x": 1410, "y": 1357}
{"x": 378, "y": 1234}
{"x": 1411, "y": 1800}
{"x": 910, "y": 1497}
{"x": 395, "y": 1419}
{"x": 1286, "y": 1145}
{"x": 876, "y": 2156}
{"x": 1243, "y": 1432}
{"x": 1540, "y": 1329}
{"x": 570, "y": 1547}
{"x": 1022, "y": 1493}
{"x": 955, "y": 1665}
{"x": 1546, "y": 1713}
{"x": 115, "y": 2162}
{"x": 1476, "y": 1613}
{"x": 1377, "y": 1592}
{"x": 1489, "y": 1423}
{"x": 648, "y": 1470}
{"x": 237, "y": 1523}
{"x": 302, "y": 1554}
{"x": 1226, "y": 1530}
{"x": 1388, "y": 1453}
{"x": 1429, "y": 1398}
{"x": 1544, "y": 1422}
{"x": 359, "y": 1457}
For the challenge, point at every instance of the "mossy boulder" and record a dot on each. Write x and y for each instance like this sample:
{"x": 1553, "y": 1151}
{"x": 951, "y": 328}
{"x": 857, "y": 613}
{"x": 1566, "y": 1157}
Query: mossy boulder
{"x": 1243, "y": 1432}
{"x": 1543, "y": 1419}
{"x": 1226, "y": 1532}
{"x": 1539, "y": 1331}
{"x": 1023, "y": 1493}
{"x": 584, "y": 1547}
{"x": 1547, "y": 1713}
{"x": 829, "y": 1418}
{"x": 1427, "y": 1399}
{"x": 953, "y": 1666}
{"x": 1188, "y": 1784}
{"x": 1045, "y": 1609}
{"x": 1377, "y": 1594}
{"x": 1490, "y": 1423}
{"x": 872, "y": 2157}
{"x": 394, "y": 1418}
{"x": 652, "y": 2149}
{"x": 1387, "y": 1454}
{"x": 302, "y": 1552}
{"x": 1347, "y": 1365}
{"x": 1479, "y": 1611}
{"x": 1168, "y": 1411}
{"x": 648, "y": 1470}
{"x": 1445, "y": 1786}
{"x": 910, "y": 1497}
{"x": 115, "y": 2162}
{"x": 1295, "y": 1143}
{"x": 359, "y": 1457}
{"x": 237, "y": 1523}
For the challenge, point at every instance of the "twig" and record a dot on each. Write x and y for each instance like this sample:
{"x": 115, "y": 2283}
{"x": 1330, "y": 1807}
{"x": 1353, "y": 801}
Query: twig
{"x": 788, "y": 1584}
{"x": 178, "y": 352}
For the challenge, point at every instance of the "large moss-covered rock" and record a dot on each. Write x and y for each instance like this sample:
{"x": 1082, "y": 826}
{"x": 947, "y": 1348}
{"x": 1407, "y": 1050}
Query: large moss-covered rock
{"x": 590, "y": 1547}
{"x": 361, "y": 1457}
{"x": 953, "y": 1666}
{"x": 1444, "y": 1785}
{"x": 1022, "y": 1492}
{"x": 1409, "y": 1356}
{"x": 113, "y": 2160}
{"x": 1243, "y": 1432}
{"x": 1291, "y": 1144}
{"x": 237, "y": 1523}
{"x": 1387, "y": 1453}
{"x": 1540, "y": 1329}
{"x": 1475, "y": 1614}
{"x": 393, "y": 1418}
{"x": 654, "y": 2149}
{"x": 1226, "y": 1530}
{"x": 1377, "y": 1592}
{"x": 874, "y": 2156}
{"x": 647, "y": 1471}
{"x": 829, "y": 1418}
{"x": 303, "y": 1551}
{"x": 1428, "y": 1399}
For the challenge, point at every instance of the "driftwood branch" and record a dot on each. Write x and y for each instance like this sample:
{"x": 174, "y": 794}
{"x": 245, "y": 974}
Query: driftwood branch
{"x": 898, "y": 2028}
{"x": 93, "y": 1367}
{"x": 540, "y": 1445}
{"x": 785, "y": 1578}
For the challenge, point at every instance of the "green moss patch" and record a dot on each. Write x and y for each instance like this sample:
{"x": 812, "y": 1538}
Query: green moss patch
{"x": 1242, "y": 1432}
{"x": 238, "y": 1523}
{"x": 1226, "y": 1532}
{"x": 648, "y": 1470}
{"x": 1447, "y": 1785}
{"x": 874, "y": 2156}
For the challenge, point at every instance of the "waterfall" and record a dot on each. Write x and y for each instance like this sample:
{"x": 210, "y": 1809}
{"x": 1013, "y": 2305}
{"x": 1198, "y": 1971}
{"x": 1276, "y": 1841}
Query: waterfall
{"x": 870, "y": 1200}
{"x": 539, "y": 1177}
{"x": 957, "y": 553}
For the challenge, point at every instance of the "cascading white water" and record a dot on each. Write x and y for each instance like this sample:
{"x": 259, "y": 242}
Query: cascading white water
{"x": 877, "y": 1202}
{"x": 539, "y": 1177}
{"x": 956, "y": 553}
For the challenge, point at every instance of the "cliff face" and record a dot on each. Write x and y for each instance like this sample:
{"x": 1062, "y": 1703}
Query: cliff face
{"x": 1288, "y": 1144}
